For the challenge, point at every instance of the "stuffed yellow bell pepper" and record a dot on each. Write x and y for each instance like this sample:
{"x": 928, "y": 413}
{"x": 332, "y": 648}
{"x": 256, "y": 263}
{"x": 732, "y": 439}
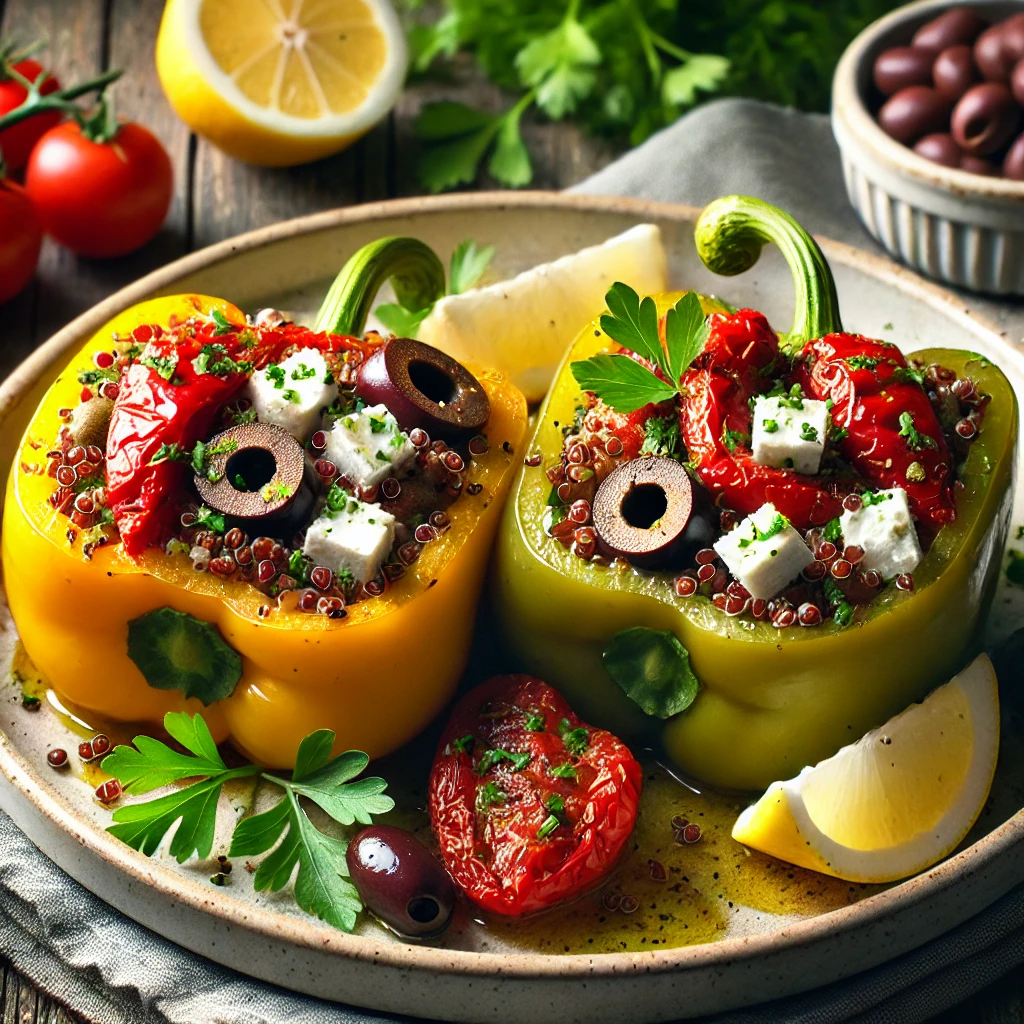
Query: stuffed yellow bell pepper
{"x": 283, "y": 528}
{"x": 750, "y": 550}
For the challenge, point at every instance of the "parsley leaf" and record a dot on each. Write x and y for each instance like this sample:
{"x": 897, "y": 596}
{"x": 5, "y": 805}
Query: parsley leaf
{"x": 620, "y": 382}
{"x": 661, "y": 437}
{"x": 224, "y": 325}
{"x": 686, "y": 333}
{"x": 653, "y": 669}
{"x": 632, "y": 323}
{"x": 916, "y": 441}
{"x": 321, "y": 885}
{"x": 702, "y": 72}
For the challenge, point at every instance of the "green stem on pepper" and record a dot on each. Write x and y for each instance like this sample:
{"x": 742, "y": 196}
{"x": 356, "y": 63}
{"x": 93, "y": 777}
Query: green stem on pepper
{"x": 416, "y": 274}
{"x": 730, "y": 234}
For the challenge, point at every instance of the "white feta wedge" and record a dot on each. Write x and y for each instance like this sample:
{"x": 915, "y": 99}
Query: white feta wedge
{"x": 356, "y": 537}
{"x": 294, "y": 393}
{"x": 789, "y": 433}
{"x": 883, "y": 527}
{"x": 765, "y": 553}
{"x": 368, "y": 446}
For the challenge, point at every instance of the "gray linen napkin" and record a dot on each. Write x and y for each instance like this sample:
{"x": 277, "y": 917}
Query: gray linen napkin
{"x": 113, "y": 971}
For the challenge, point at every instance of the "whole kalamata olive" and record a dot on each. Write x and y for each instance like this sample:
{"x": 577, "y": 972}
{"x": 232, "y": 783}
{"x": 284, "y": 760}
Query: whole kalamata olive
{"x": 984, "y": 119}
{"x": 1017, "y": 82}
{"x": 978, "y": 165}
{"x": 901, "y": 66}
{"x": 1013, "y": 162}
{"x": 912, "y": 112}
{"x": 424, "y": 387}
{"x": 940, "y": 148}
{"x": 649, "y": 512}
{"x": 1000, "y": 47}
{"x": 957, "y": 25}
{"x": 400, "y": 882}
{"x": 954, "y": 72}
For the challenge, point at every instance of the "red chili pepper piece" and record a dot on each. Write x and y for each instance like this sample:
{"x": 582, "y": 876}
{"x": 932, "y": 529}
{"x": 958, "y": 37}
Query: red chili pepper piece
{"x": 521, "y": 835}
{"x": 870, "y": 395}
{"x": 740, "y": 359}
{"x": 164, "y": 399}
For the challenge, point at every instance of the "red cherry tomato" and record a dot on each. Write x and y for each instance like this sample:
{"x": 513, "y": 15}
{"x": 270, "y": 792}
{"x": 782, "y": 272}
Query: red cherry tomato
{"x": 530, "y": 805}
{"x": 20, "y": 238}
{"x": 100, "y": 198}
{"x": 17, "y": 141}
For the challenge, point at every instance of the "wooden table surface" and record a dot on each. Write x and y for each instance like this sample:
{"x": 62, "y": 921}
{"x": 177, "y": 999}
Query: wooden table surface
{"x": 215, "y": 198}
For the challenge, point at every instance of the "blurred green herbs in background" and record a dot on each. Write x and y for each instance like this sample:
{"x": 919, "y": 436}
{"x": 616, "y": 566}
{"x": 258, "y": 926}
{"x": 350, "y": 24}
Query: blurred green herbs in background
{"x": 619, "y": 68}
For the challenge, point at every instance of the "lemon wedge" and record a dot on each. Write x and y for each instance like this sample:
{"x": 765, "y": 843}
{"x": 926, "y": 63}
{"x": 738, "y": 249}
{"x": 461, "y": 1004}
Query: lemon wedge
{"x": 523, "y": 326}
{"x": 281, "y": 82}
{"x": 896, "y": 801}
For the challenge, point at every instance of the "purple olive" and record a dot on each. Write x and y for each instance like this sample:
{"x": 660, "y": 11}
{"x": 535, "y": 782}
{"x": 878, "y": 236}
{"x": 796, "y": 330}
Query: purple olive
{"x": 954, "y": 72}
{"x": 985, "y": 118}
{"x": 901, "y": 66}
{"x": 978, "y": 165}
{"x": 1013, "y": 162}
{"x": 957, "y": 25}
{"x": 1000, "y": 47}
{"x": 914, "y": 111}
{"x": 400, "y": 881}
{"x": 424, "y": 387}
{"x": 650, "y": 513}
{"x": 940, "y": 148}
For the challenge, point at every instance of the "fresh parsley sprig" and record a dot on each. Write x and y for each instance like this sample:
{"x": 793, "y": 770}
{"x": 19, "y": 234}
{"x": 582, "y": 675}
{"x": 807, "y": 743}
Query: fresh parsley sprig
{"x": 468, "y": 263}
{"x": 321, "y": 885}
{"x": 622, "y": 382}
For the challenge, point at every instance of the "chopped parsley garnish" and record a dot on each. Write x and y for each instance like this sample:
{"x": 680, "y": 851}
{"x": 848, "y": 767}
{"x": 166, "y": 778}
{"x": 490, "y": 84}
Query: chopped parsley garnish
{"x": 661, "y": 437}
{"x": 240, "y": 483}
{"x": 163, "y": 365}
{"x": 769, "y": 426}
{"x": 337, "y": 498}
{"x": 291, "y": 396}
{"x": 492, "y": 757}
{"x": 838, "y": 434}
{"x": 489, "y": 795}
{"x": 534, "y": 723}
{"x": 776, "y": 526}
{"x": 94, "y": 376}
{"x": 275, "y": 374}
{"x": 833, "y": 592}
{"x": 916, "y": 441}
{"x": 304, "y": 372}
{"x": 382, "y": 456}
{"x": 791, "y": 399}
{"x": 202, "y": 453}
{"x": 808, "y": 433}
{"x": 869, "y": 498}
{"x": 224, "y": 325}
{"x": 169, "y": 453}
{"x": 908, "y": 374}
{"x": 732, "y": 438}
{"x": 862, "y": 362}
{"x": 844, "y": 614}
{"x": 207, "y": 519}
{"x": 576, "y": 740}
{"x": 555, "y": 803}
{"x": 563, "y": 771}
{"x": 377, "y": 424}
{"x": 549, "y": 826}
{"x": 274, "y": 491}
{"x": 833, "y": 531}
{"x": 464, "y": 743}
{"x": 298, "y": 566}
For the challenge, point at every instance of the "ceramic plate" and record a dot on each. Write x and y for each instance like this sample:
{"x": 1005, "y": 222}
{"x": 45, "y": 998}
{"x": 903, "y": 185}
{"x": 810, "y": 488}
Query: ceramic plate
{"x": 726, "y": 927}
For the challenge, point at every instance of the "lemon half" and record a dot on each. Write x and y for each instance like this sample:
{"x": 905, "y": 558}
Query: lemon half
{"x": 523, "y": 326}
{"x": 896, "y": 801}
{"x": 281, "y": 82}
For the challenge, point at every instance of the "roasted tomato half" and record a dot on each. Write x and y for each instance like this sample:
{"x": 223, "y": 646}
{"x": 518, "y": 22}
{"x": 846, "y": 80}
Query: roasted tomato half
{"x": 530, "y": 806}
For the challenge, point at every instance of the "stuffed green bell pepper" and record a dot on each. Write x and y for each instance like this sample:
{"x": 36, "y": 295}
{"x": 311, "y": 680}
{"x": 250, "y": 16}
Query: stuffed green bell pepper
{"x": 746, "y": 549}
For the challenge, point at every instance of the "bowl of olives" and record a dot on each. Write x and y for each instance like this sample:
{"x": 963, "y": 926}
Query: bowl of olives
{"x": 928, "y": 112}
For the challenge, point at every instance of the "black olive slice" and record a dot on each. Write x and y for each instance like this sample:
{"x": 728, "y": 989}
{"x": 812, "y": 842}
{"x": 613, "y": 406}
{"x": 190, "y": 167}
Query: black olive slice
{"x": 260, "y": 479}
{"x": 651, "y": 513}
{"x": 424, "y": 387}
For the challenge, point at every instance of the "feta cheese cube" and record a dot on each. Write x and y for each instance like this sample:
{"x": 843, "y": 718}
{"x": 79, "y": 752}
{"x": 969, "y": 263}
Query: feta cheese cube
{"x": 787, "y": 437}
{"x": 293, "y": 394}
{"x": 356, "y": 537}
{"x": 367, "y": 446}
{"x": 765, "y": 552}
{"x": 882, "y": 526}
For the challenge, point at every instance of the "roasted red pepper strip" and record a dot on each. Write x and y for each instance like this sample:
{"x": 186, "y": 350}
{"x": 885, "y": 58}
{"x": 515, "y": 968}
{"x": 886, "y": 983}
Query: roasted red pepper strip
{"x": 894, "y": 437}
{"x": 740, "y": 360}
{"x": 530, "y": 806}
{"x": 165, "y": 398}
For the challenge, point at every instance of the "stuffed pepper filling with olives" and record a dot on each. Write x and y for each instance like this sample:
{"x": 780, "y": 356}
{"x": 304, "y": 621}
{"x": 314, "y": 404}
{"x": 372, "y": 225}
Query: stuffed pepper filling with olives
{"x": 748, "y": 546}
{"x": 261, "y": 517}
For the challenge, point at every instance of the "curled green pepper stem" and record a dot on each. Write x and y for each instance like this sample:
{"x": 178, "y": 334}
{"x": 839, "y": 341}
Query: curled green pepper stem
{"x": 36, "y": 103}
{"x": 730, "y": 234}
{"x": 416, "y": 274}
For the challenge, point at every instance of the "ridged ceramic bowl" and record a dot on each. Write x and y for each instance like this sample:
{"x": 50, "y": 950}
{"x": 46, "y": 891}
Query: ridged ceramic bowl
{"x": 964, "y": 229}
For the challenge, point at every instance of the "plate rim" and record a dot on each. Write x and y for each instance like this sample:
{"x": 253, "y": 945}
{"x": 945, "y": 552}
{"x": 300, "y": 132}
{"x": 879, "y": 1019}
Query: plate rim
{"x": 313, "y": 934}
